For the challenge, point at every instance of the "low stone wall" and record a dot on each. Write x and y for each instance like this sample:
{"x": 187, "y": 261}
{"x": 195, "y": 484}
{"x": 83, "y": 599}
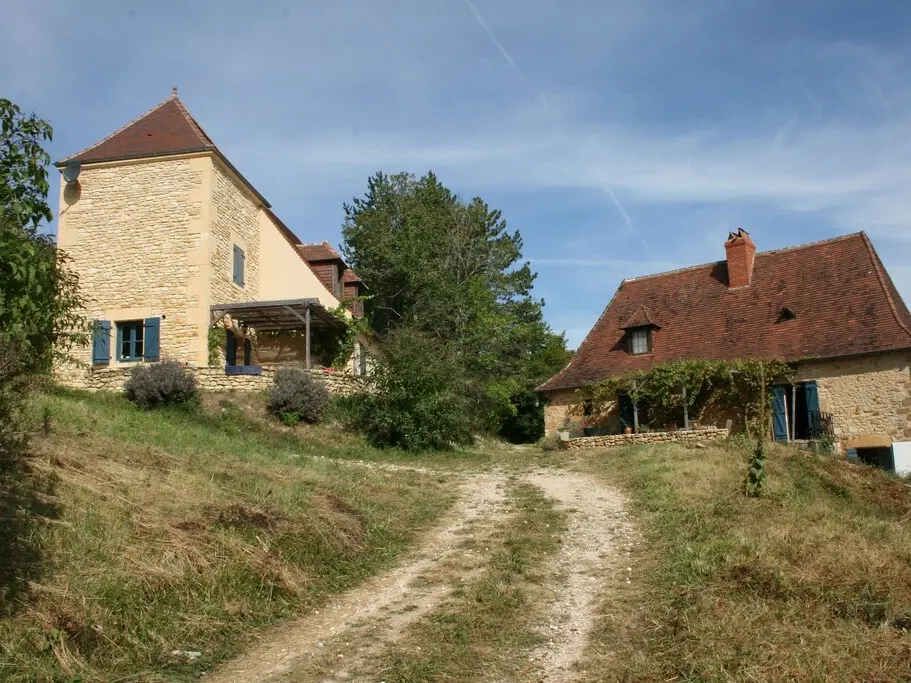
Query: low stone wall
{"x": 615, "y": 440}
{"x": 210, "y": 380}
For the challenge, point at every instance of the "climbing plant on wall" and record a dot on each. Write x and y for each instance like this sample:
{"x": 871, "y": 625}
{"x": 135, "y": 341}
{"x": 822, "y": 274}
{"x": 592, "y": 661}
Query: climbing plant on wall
{"x": 737, "y": 386}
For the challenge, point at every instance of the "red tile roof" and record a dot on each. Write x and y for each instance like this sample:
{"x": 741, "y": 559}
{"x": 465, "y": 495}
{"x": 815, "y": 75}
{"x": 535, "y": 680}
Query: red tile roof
{"x": 165, "y": 129}
{"x": 843, "y": 298}
{"x": 641, "y": 317}
{"x": 319, "y": 252}
{"x": 350, "y": 276}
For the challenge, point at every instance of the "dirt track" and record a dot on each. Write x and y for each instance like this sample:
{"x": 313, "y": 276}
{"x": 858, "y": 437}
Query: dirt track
{"x": 331, "y": 643}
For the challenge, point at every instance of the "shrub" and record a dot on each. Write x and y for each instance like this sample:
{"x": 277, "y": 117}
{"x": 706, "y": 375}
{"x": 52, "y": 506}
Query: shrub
{"x": 549, "y": 443}
{"x": 297, "y": 395}
{"x": 159, "y": 384}
{"x": 419, "y": 397}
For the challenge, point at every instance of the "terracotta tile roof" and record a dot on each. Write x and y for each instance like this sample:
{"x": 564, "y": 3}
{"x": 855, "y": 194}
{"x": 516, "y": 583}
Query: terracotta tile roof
{"x": 165, "y": 129}
{"x": 844, "y": 301}
{"x": 319, "y": 252}
{"x": 641, "y": 317}
{"x": 350, "y": 276}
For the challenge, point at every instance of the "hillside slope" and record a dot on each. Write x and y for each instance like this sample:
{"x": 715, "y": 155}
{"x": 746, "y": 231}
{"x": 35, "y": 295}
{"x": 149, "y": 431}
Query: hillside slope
{"x": 163, "y": 540}
{"x": 811, "y": 582}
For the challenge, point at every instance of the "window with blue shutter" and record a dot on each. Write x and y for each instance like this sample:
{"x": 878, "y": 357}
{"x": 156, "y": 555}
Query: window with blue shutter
{"x": 151, "y": 336}
{"x": 779, "y": 413}
{"x": 239, "y": 266}
{"x": 130, "y": 335}
{"x": 101, "y": 342}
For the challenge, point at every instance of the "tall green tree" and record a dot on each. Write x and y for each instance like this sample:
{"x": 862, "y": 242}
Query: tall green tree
{"x": 23, "y": 166}
{"x": 452, "y": 269}
{"x": 40, "y": 302}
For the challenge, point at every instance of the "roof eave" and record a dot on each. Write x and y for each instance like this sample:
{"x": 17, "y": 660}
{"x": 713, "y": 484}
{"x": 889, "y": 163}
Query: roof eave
{"x": 173, "y": 152}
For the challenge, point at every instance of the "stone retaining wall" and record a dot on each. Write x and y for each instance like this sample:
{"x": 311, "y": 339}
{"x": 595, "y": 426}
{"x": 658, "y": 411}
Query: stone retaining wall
{"x": 211, "y": 379}
{"x": 614, "y": 440}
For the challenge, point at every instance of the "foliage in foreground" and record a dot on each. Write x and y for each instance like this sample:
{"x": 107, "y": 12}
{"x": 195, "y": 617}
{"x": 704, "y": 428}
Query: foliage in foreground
{"x": 452, "y": 270}
{"x": 808, "y": 582}
{"x": 297, "y": 397}
{"x": 26, "y": 495}
{"x": 418, "y": 398}
{"x": 161, "y": 384}
{"x": 188, "y": 531}
{"x": 39, "y": 293}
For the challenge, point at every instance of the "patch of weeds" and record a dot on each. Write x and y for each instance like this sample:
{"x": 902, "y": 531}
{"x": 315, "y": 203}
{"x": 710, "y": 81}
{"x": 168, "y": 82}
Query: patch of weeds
{"x": 803, "y": 583}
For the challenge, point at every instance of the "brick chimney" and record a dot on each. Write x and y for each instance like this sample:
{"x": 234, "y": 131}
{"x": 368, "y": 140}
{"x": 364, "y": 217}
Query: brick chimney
{"x": 740, "y": 252}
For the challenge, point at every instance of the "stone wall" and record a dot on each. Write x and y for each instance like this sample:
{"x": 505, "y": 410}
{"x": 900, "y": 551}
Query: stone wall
{"x": 869, "y": 397}
{"x": 211, "y": 380}
{"x": 560, "y": 406}
{"x": 135, "y": 232}
{"x": 615, "y": 440}
{"x": 235, "y": 221}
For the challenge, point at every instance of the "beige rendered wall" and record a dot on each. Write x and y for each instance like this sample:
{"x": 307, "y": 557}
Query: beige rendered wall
{"x": 284, "y": 274}
{"x": 137, "y": 233}
{"x": 868, "y": 396}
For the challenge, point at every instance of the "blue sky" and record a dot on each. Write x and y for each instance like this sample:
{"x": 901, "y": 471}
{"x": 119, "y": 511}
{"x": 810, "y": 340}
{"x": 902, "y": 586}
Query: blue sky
{"x": 620, "y": 138}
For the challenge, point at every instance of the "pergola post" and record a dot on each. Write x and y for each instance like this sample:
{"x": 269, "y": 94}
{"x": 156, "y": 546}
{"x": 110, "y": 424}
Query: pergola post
{"x": 307, "y": 328}
{"x": 686, "y": 412}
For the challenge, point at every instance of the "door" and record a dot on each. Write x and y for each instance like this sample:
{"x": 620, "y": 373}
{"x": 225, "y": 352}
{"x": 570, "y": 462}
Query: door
{"x": 779, "y": 413}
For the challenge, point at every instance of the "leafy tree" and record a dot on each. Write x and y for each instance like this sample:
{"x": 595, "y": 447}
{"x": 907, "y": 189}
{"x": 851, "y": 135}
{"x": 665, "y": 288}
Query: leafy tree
{"x": 23, "y": 166}
{"x": 452, "y": 270}
{"x": 39, "y": 294}
{"x": 419, "y": 398}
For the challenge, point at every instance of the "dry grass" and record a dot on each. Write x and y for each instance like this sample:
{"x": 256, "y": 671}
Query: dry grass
{"x": 810, "y": 582}
{"x": 182, "y": 531}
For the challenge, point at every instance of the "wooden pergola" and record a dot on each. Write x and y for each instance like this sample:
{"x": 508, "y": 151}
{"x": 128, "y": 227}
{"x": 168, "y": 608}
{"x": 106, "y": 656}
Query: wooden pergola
{"x": 288, "y": 314}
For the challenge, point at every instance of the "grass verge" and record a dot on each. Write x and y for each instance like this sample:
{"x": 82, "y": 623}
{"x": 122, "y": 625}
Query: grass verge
{"x": 487, "y": 627}
{"x": 809, "y": 582}
{"x": 169, "y": 537}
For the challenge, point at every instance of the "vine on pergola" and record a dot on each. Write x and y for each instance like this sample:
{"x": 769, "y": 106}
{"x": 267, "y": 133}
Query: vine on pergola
{"x": 728, "y": 385}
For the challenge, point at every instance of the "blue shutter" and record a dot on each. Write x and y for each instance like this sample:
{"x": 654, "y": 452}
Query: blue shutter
{"x": 779, "y": 414}
{"x": 150, "y": 338}
{"x": 812, "y": 399}
{"x": 101, "y": 342}
{"x": 230, "y": 349}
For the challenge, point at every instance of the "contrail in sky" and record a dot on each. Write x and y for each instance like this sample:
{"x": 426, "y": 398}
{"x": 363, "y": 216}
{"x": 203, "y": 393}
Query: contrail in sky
{"x": 626, "y": 216}
{"x": 493, "y": 39}
{"x": 490, "y": 34}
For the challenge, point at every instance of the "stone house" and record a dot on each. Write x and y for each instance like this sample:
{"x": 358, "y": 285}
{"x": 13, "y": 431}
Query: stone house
{"x": 170, "y": 242}
{"x": 829, "y": 307}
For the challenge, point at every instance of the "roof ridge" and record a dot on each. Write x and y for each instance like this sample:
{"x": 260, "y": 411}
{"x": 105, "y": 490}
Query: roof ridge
{"x": 119, "y": 130}
{"x": 758, "y": 254}
{"x": 878, "y": 269}
{"x": 193, "y": 122}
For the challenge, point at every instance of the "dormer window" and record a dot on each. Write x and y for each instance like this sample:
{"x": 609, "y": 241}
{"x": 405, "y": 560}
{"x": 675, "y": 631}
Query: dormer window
{"x": 786, "y": 314}
{"x": 639, "y": 327}
{"x": 640, "y": 340}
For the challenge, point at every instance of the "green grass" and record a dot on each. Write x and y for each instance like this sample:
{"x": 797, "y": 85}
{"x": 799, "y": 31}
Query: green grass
{"x": 812, "y": 581}
{"x": 186, "y": 531}
{"x": 487, "y": 628}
